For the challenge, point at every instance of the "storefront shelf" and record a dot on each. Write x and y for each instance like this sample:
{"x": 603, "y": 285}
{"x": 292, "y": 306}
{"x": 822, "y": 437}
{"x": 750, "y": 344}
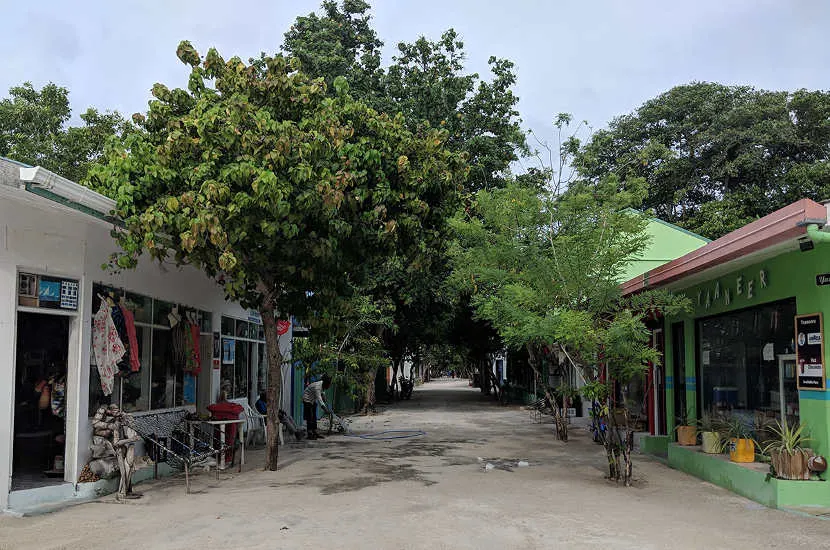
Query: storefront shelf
{"x": 748, "y": 480}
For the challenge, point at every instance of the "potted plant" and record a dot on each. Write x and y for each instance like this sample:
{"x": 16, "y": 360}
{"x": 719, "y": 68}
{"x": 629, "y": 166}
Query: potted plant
{"x": 709, "y": 426}
{"x": 741, "y": 443}
{"x": 788, "y": 456}
{"x": 686, "y": 432}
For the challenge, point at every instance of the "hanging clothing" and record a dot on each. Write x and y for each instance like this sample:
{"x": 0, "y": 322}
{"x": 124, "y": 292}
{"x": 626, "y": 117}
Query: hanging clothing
{"x": 194, "y": 362}
{"x": 121, "y": 326}
{"x": 179, "y": 341}
{"x": 107, "y": 347}
{"x": 129, "y": 321}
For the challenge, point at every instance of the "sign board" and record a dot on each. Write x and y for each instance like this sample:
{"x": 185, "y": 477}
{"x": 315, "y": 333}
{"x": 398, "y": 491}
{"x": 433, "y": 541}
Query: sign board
{"x": 823, "y": 279}
{"x": 47, "y": 292}
{"x": 809, "y": 351}
{"x": 254, "y": 316}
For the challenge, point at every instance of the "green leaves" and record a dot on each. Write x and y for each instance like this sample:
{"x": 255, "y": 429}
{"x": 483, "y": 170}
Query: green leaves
{"x": 187, "y": 54}
{"x": 264, "y": 181}
{"x": 715, "y": 157}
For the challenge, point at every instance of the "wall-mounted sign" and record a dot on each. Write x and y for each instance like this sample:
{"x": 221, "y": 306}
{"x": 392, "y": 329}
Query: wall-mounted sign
{"x": 809, "y": 351}
{"x": 283, "y": 326}
{"x": 823, "y": 279}
{"x": 47, "y": 292}
{"x": 254, "y": 316}
{"x": 742, "y": 287}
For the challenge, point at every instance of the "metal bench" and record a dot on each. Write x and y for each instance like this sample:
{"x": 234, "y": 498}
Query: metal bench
{"x": 182, "y": 445}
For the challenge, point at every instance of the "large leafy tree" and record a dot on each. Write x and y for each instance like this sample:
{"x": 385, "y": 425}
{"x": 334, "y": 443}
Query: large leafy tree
{"x": 283, "y": 193}
{"x": 35, "y": 129}
{"x": 428, "y": 83}
{"x": 717, "y": 156}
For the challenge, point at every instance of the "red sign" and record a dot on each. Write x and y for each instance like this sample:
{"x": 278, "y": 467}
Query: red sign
{"x": 283, "y": 326}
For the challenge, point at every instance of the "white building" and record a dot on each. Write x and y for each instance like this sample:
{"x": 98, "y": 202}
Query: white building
{"x": 54, "y": 237}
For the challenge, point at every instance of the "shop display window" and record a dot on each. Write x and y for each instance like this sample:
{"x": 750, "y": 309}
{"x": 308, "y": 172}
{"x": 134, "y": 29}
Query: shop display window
{"x": 160, "y": 382}
{"x": 244, "y": 361}
{"x": 743, "y": 358}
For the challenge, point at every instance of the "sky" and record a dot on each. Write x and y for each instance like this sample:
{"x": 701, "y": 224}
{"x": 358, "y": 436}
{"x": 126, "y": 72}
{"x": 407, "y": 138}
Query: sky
{"x": 596, "y": 59}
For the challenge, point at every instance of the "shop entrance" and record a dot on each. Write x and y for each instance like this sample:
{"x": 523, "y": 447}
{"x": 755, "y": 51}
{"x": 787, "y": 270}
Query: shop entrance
{"x": 40, "y": 400}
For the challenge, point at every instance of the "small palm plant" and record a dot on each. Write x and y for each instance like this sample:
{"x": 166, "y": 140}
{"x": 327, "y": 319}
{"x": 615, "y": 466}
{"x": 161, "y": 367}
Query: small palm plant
{"x": 787, "y": 451}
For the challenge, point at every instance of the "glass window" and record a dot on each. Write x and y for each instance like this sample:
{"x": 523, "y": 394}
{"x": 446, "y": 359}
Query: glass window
{"x": 163, "y": 371}
{"x": 228, "y": 326}
{"x": 141, "y": 306}
{"x": 205, "y": 321}
{"x": 242, "y": 329}
{"x": 161, "y": 310}
{"x": 262, "y": 368}
{"x": 135, "y": 389}
{"x": 740, "y": 357}
{"x": 227, "y": 367}
{"x": 240, "y": 384}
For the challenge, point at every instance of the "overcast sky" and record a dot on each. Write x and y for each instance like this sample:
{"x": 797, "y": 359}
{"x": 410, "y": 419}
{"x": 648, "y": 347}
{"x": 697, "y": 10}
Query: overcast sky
{"x": 593, "y": 58}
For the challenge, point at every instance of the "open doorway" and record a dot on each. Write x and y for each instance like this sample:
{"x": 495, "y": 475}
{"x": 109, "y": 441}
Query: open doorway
{"x": 40, "y": 400}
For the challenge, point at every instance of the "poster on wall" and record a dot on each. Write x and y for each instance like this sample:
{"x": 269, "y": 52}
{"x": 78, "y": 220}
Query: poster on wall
{"x": 809, "y": 351}
{"x": 46, "y": 292}
{"x": 228, "y": 351}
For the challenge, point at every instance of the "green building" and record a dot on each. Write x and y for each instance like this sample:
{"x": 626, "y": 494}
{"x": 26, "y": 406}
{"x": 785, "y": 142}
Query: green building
{"x": 752, "y": 348}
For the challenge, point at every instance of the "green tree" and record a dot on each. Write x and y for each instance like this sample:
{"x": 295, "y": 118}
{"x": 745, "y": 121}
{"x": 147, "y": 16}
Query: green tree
{"x": 35, "y": 129}
{"x": 283, "y": 194}
{"x": 544, "y": 270}
{"x": 427, "y": 83}
{"x": 339, "y": 42}
{"x": 716, "y": 157}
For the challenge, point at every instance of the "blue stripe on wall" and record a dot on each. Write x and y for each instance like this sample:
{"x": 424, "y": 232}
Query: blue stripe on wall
{"x": 815, "y": 395}
{"x": 669, "y": 386}
{"x": 691, "y": 381}
{"x": 669, "y": 378}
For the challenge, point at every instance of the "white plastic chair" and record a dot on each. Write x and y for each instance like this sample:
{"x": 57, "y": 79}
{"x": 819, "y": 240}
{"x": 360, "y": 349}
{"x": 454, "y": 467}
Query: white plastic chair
{"x": 256, "y": 422}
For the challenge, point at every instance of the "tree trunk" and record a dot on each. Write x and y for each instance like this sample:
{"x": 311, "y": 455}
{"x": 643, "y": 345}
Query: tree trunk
{"x": 369, "y": 405}
{"x": 272, "y": 346}
{"x": 560, "y": 421}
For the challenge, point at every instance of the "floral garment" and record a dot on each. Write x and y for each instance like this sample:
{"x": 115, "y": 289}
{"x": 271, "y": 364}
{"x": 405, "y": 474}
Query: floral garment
{"x": 107, "y": 346}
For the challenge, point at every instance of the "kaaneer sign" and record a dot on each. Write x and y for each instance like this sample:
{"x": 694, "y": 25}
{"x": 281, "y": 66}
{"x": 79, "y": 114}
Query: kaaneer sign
{"x": 743, "y": 287}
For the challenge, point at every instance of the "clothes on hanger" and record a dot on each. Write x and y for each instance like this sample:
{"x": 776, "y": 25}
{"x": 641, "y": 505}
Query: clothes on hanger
{"x": 194, "y": 361}
{"x": 106, "y": 346}
{"x": 121, "y": 326}
{"x": 129, "y": 322}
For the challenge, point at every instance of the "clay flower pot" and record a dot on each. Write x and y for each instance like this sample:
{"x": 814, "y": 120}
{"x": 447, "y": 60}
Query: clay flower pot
{"x": 686, "y": 435}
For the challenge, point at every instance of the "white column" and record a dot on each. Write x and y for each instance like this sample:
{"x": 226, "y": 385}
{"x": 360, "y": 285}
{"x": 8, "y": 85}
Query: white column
{"x": 8, "y": 324}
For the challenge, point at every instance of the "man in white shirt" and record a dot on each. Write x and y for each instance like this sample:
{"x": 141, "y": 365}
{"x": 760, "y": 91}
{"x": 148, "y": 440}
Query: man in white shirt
{"x": 312, "y": 395}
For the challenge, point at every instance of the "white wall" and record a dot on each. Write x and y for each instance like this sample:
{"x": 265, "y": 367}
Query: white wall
{"x": 39, "y": 236}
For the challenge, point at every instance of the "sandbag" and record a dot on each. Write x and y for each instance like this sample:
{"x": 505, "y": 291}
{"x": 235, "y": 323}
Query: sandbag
{"x": 104, "y": 468}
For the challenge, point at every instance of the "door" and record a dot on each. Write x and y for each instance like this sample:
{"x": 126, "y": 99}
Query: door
{"x": 659, "y": 384}
{"x": 40, "y": 400}
{"x": 678, "y": 343}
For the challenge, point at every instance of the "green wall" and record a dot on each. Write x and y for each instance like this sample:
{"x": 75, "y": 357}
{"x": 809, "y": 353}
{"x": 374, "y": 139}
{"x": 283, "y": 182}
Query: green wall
{"x": 791, "y": 274}
{"x": 667, "y": 242}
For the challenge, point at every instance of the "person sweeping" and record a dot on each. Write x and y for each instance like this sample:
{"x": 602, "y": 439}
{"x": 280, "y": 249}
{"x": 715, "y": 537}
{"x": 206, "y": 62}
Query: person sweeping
{"x": 312, "y": 395}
